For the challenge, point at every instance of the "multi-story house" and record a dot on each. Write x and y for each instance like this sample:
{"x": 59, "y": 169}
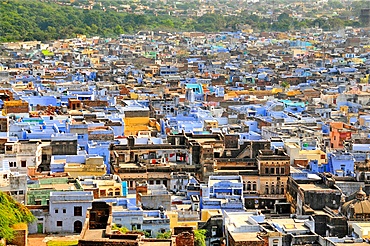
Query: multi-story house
{"x": 65, "y": 213}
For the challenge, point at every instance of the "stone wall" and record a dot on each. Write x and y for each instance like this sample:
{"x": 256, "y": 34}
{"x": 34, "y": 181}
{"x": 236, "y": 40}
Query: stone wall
{"x": 185, "y": 239}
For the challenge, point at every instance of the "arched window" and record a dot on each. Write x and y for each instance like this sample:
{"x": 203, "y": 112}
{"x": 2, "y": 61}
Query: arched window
{"x": 254, "y": 186}
{"x": 110, "y": 192}
{"x": 249, "y": 187}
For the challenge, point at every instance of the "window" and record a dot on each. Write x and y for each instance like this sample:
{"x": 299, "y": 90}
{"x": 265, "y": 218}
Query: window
{"x": 21, "y": 192}
{"x": 266, "y": 170}
{"x": 23, "y": 163}
{"x": 59, "y": 223}
{"x": 64, "y": 210}
{"x": 137, "y": 226}
{"x": 56, "y": 211}
{"x": 12, "y": 164}
{"x": 282, "y": 170}
{"x": 254, "y": 186}
{"x": 78, "y": 211}
{"x": 277, "y": 171}
{"x": 249, "y": 185}
{"x": 214, "y": 231}
{"x": 272, "y": 170}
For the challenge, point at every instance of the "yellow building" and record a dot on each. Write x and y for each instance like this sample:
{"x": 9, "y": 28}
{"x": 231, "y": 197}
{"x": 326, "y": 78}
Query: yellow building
{"x": 295, "y": 153}
{"x": 105, "y": 188}
{"x": 94, "y": 166}
{"x": 362, "y": 229}
{"x": 175, "y": 220}
{"x": 16, "y": 107}
{"x": 208, "y": 213}
{"x": 209, "y": 124}
{"x": 136, "y": 119}
{"x": 186, "y": 218}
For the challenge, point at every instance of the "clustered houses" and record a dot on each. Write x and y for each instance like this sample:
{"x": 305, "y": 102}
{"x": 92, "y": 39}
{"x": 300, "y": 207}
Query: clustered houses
{"x": 256, "y": 141}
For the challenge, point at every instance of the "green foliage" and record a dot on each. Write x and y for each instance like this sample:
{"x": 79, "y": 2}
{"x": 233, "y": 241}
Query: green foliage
{"x": 12, "y": 213}
{"x": 200, "y": 237}
{"x": 123, "y": 230}
{"x": 115, "y": 227}
{"x": 146, "y": 234}
{"x": 285, "y": 84}
{"x": 164, "y": 235}
{"x": 35, "y": 20}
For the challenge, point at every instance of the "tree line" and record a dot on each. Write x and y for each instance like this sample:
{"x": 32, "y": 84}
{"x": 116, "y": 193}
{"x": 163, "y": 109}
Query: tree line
{"x": 25, "y": 20}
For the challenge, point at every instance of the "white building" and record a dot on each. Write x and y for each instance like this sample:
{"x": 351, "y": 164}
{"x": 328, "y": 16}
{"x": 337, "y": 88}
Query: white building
{"x": 67, "y": 213}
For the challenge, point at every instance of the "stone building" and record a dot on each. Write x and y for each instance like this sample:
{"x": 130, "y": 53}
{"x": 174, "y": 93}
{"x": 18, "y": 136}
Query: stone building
{"x": 357, "y": 209}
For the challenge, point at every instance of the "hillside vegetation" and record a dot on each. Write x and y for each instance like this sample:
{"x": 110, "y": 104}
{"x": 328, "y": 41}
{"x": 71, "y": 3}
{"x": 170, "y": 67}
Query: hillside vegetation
{"x": 11, "y": 213}
{"x": 24, "y": 20}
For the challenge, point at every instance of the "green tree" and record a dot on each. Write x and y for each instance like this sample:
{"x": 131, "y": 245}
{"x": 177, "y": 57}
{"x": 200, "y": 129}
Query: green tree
{"x": 200, "y": 237}
{"x": 164, "y": 235}
{"x": 118, "y": 30}
{"x": 12, "y": 213}
{"x": 285, "y": 85}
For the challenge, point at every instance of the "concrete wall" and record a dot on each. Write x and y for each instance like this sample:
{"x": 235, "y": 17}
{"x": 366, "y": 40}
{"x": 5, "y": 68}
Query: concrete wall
{"x": 62, "y": 209}
{"x": 155, "y": 201}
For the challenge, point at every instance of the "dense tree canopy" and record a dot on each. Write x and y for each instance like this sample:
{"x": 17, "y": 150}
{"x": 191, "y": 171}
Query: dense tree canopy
{"x": 11, "y": 214}
{"x": 34, "y": 20}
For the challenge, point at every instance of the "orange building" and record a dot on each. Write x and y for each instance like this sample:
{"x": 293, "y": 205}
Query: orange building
{"x": 339, "y": 132}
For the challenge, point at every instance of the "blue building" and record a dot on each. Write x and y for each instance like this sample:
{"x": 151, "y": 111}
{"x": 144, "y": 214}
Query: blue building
{"x": 100, "y": 149}
{"x": 222, "y": 192}
{"x": 341, "y": 163}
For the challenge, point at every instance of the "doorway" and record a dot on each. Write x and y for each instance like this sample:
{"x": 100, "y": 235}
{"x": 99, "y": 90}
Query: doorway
{"x": 77, "y": 226}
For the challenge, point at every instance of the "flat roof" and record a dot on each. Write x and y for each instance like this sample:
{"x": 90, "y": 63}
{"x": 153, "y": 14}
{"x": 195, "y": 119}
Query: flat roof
{"x": 317, "y": 187}
{"x": 289, "y": 224}
{"x": 240, "y": 219}
{"x": 245, "y": 236}
{"x": 65, "y": 186}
